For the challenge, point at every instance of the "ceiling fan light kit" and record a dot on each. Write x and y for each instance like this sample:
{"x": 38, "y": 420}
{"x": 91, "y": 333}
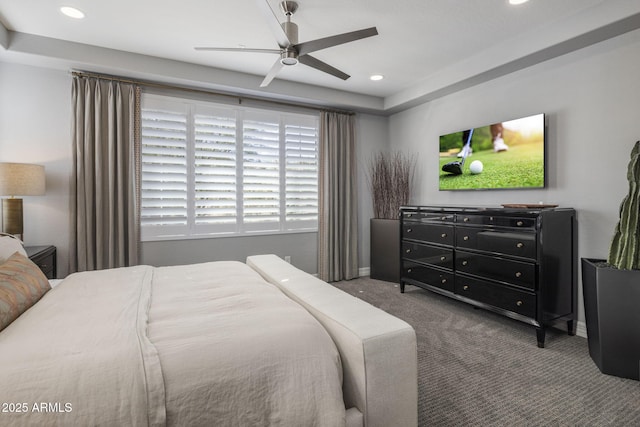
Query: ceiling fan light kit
{"x": 291, "y": 52}
{"x": 288, "y": 57}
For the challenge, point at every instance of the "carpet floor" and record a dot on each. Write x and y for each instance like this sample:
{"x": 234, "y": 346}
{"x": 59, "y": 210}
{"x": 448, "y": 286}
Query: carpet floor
{"x": 478, "y": 368}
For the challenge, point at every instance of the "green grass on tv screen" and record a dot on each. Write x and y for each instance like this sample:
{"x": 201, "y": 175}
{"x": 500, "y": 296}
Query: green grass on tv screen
{"x": 521, "y": 166}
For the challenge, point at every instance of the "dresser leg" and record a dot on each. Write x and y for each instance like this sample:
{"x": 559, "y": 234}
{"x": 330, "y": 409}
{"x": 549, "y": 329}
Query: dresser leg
{"x": 540, "y": 333}
{"x": 401, "y": 287}
{"x": 571, "y": 327}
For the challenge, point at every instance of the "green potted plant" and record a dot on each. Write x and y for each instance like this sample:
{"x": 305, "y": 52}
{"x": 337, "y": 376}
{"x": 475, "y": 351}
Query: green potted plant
{"x": 390, "y": 182}
{"x": 611, "y": 289}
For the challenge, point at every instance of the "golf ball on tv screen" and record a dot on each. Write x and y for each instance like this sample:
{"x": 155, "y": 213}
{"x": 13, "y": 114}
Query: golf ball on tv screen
{"x": 475, "y": 167}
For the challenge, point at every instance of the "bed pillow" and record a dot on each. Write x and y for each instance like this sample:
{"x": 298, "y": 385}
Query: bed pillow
{"x": 22, "y": 284}
{"x": 9, "y": 246}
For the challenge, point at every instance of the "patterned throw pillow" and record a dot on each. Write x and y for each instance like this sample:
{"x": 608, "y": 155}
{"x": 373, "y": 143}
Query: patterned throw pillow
{"x": 22, "y": 284}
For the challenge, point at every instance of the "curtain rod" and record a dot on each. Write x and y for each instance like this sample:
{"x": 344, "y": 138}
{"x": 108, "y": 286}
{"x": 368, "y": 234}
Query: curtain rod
{"x": 239, "y": 97}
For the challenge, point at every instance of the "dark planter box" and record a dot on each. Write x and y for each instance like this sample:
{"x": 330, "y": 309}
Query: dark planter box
{"x": 612, "y": 314}
{"x": 385, "y": 249}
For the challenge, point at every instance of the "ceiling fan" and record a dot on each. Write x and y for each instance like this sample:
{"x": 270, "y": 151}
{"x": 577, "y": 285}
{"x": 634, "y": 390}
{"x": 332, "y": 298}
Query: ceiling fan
{"x": 291, "y": 52}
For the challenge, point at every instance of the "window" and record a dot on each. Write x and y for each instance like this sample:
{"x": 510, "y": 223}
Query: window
{"x": 210, "y": 169}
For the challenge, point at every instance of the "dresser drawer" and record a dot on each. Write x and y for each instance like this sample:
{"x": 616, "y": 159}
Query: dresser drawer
{"x": 516, "y": 244}
{"x": 518, "y": 273}
{"x": 432, "y": 233}
{"x": 497, "y": 221}
{"x": 504, "y": 297}
{"x": 430, "y": 217}
{"x": 428, "y": 275}
{"x": 426, "y": 254}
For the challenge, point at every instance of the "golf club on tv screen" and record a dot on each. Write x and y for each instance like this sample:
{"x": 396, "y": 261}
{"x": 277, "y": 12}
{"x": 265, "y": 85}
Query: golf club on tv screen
{"x": 502, "y": 155}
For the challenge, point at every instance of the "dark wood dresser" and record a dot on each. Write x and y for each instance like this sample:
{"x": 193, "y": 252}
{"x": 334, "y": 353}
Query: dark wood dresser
{"x": 45, "y": 258}
{"x": 518, "y": 262}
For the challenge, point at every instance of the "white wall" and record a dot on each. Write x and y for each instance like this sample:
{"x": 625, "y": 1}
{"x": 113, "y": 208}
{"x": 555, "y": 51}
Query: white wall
{"x": 592, "y": 101}
{"x": 35, "y": 126}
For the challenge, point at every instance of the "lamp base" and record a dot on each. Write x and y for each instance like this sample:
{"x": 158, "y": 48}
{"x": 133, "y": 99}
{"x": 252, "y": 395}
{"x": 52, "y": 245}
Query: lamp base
{"x": 12, "y": 217}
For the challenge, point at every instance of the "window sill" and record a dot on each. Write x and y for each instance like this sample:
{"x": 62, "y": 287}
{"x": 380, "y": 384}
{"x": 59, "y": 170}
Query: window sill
{"x": 225, "y": 235}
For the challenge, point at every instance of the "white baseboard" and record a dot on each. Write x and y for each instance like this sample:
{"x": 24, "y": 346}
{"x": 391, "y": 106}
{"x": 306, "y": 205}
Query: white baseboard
{"x": 364, "y": 271}
{"x": 581, "y": 329}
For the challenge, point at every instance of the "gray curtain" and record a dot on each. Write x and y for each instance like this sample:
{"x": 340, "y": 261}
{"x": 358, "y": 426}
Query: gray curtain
{"x": 338, "y": 206}
{"x": 104, "y": 219}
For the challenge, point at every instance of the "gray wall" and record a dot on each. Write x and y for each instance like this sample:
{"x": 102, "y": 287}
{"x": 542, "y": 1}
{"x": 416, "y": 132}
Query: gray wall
{"x": 592, "y": 100}
{"x": 35, "y": 123}
{"x": 301, "y": 247}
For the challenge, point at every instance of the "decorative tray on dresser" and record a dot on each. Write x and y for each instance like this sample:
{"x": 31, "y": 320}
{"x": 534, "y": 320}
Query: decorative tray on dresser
{"x": 517, "y": 261}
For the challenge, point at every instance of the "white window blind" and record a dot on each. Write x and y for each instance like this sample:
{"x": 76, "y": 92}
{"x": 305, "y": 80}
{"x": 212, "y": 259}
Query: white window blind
{"x": 210, "y": 169}
{"x": 164, "y": 170}
{"x": 301, "y": 174}
{"x": 261, "y": 171}
{"x": 215, "y": 171}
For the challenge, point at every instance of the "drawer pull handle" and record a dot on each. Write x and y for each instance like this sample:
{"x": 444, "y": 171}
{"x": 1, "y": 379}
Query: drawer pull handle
{"x": 409, "y": 215}
{"x": 408, "y": 251}
{"x": 466, "y": 219}
{"x": 491, "y": 218}
{"x": 442, "y": 258}
{"x": 443, "y": 218}
{"x": 520, "y": 245}
{"x": 465, "y": 262}
{"x": 519, "y": 303}
{"x": 409, "y": 230}
{"x": 443, "y": 235}
{"x": 465, "y": 288}
{"x": 465, "y": 238}
{"x": 408, "y": 270}
{"x": 443, "y": 281}
{"x": 518, "y": 274}
{"x": 519, "y": 223}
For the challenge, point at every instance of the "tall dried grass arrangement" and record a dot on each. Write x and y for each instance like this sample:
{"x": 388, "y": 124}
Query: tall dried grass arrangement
{"x": 390, "y": 180}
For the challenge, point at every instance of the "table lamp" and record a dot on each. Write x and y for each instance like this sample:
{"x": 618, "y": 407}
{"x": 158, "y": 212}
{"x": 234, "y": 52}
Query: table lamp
{"x": 18, "y": 179}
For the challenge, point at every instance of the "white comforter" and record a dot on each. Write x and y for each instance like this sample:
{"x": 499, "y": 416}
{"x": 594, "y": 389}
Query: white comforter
{"x": 205, "y": 344}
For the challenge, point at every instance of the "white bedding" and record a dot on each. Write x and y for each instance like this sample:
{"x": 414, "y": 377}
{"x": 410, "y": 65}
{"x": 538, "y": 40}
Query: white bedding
{"x": 220, "y": 347}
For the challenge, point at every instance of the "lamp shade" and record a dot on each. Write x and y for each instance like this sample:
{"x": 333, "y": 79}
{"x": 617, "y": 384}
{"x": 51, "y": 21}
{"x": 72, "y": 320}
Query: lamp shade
{"x": 21, "y": 179}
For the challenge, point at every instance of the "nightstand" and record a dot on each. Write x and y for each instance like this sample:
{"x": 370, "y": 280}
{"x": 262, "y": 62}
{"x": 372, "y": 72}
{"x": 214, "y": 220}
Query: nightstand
{"x": 45, "y": 258}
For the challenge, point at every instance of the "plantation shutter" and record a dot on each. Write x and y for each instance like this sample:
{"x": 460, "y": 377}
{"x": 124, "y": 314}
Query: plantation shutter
{"x": 215, "y": 179}
{"x": 261, "y": 172}
{"x": 301, "y": 179}
{"x": 164, "y": 170}
{"x": 211, "y": 169}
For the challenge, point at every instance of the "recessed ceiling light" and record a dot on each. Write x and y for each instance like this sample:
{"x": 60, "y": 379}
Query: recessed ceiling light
{"x": 376, "y": 77}
{"x": 72, "y": 12}
{"x": 516, "y": 2}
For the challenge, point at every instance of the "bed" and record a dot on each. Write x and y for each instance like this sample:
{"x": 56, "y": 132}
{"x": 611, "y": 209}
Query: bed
{"x": 219, "y": 343}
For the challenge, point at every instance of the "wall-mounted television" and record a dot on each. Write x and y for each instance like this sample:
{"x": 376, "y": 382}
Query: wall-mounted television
{"x": 504, "y": 155}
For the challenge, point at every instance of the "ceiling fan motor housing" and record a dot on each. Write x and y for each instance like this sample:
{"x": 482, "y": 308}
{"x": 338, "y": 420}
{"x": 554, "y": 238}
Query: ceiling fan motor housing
{"x": 288, "y": 56}
{"x": 291, "y": 30}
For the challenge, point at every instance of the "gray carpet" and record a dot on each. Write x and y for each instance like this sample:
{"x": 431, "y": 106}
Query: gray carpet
{"x": 478, "y": 368}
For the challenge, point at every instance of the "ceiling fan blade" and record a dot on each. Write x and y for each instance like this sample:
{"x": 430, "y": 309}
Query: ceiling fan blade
{"x": 318, "y": 44}
{"x": 277, "y": 66}
{"x": 322, "y": 66}
{"x": 237, "y": 49}
{"x": 274, "y": 23}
